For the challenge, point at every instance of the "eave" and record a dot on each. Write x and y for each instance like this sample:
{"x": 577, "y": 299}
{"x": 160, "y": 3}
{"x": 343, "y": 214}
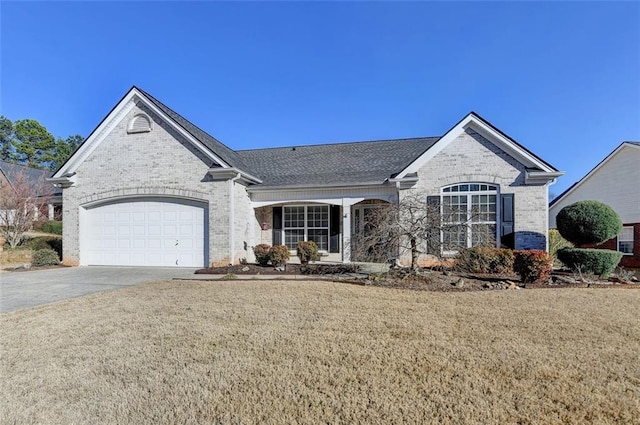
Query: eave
{"x": 67, "y": 180}
{"x": 220, "y": 173}
{"x": 537, "y": 177}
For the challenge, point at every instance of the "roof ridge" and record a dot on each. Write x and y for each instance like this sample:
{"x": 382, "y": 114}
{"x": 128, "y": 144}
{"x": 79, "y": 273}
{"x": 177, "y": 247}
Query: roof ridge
{"x": 355, "y": 142}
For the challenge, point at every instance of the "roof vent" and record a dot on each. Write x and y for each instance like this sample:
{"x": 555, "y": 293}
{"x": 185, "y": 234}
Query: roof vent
{"x": 140, "y": 123}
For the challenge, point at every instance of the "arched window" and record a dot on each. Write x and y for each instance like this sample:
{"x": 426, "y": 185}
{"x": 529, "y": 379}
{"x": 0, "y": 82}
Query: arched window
{"x": 469, "y": 215}
{"x": 140, "y": 123}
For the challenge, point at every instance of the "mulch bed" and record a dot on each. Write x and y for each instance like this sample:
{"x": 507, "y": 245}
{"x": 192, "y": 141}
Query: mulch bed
{"x": 425, "y": 280}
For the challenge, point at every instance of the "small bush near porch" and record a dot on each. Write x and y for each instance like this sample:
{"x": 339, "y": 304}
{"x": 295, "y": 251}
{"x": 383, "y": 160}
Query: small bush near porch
{"x": 321, "y": 352}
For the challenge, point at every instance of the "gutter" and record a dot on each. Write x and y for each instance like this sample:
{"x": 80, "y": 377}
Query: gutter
{"x": 541, "y": 177}
{"x": 233, "y": 173}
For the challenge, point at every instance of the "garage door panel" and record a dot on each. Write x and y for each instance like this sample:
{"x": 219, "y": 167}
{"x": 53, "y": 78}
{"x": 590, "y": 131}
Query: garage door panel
{"x": 144, "y": 233}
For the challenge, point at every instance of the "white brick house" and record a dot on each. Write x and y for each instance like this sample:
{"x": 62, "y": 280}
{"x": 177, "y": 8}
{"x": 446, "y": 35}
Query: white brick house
{"x": 148, "y": 187}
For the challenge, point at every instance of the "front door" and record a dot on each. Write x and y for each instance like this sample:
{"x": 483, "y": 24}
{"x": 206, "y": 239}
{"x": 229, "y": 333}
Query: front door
{"x": 366, "y": 243}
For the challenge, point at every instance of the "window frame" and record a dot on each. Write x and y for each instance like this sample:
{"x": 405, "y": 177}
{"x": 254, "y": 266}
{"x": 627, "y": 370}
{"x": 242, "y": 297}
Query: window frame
{"x": 632, "y": 240}
{"x": 306, "y": 227}
{"x": 469, "y": 192}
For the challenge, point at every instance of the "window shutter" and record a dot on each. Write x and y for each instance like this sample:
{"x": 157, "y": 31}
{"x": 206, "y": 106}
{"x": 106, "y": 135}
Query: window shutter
{"x": 433, "y": 232}
{"x": 277, "y": 226}
{"x": 507, "y": 237}
{"x": 334, "y": 228}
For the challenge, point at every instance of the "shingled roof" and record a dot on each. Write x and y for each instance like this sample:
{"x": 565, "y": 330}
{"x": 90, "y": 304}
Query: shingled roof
{"x": 337, "y": 164}
{"x": 34, "y": 176}
{"x": 220, "y": 149}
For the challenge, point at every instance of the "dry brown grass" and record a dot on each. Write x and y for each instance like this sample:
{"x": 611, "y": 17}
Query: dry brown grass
{"x": 318, "y": 352}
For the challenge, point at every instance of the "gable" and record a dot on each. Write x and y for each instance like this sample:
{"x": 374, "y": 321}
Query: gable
{"x": 538, "y": 171}
{"x": 613, "y": 181}
{"x": 125, "y": 158}
{"x": 136, "y": 98}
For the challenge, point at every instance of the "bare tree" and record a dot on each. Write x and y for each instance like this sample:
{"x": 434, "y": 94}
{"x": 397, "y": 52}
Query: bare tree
{"x": 23, "y": 200}
{"x": 420, "y": 225}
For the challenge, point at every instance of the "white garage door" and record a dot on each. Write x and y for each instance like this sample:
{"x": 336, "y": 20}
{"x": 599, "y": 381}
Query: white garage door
{"x": 144, "y": 233}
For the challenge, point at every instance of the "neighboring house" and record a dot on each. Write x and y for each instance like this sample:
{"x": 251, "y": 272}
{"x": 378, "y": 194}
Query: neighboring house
{"x": 148, "y": 187}
{"x": 29, "y": 181}
{"x": 616, "y": 182}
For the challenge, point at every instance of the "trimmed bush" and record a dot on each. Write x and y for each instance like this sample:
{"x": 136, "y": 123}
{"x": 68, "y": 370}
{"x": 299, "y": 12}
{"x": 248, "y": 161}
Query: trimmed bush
{"x": 262, "y": 253}
{"x": 600, "y": 262}
{"x": 533, "y": 266}
{"x": 279, "y": 254}
{"x": 43, "y": 242}
{"x": 51, "y": 226}
{"x": 485, "y": 259}
{"x": 588, "y": 222}
{"x": 307, "y": 251}
{"x": 45, "y": 257}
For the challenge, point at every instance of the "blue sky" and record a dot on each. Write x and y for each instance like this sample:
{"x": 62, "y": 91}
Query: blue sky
{"x": 562, "y": 78}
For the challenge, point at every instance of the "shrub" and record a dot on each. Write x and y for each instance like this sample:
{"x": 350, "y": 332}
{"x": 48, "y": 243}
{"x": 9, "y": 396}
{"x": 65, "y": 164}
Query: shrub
{"x": 307, "y": 251}
{"x": 599, "y": 262}
{"x": 45, "y": 257}
{"x": 588, "y": 222}
{"x": 51, "y": 226}
{"x": 43, "y": 242}
{"x": 262, "y": 253}
{"x": 533, "y": 266}
{"x": 278, "y": 254}
{"x": 485, "y": 259}
{"x": 556, "y": 242}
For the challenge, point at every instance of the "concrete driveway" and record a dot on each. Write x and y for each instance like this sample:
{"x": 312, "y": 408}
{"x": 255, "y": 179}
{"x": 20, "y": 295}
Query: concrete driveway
{"x": 30, "y": 288}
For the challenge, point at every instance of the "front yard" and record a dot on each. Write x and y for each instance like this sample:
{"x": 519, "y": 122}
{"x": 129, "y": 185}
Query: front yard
{"x": 240, "y": 352}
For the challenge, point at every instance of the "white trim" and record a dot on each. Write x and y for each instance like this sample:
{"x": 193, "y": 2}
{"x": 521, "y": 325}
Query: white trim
{"x": 298, "y": 202}
{"x": 182, "y": 131}
{"x": 98, "y": 135}
{"x": 128, "y": 103}
{"x": 469, "y": 223}
{"x": 306, "y": 227}
{"x": 232, "y": 173}
{"x": 594, "y": 170}
{"x": 474, "y": 122}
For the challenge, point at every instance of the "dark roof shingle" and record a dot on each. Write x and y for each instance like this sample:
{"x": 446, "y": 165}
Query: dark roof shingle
{"x": 338, "y": 164}
{"x": 34, "y": 176}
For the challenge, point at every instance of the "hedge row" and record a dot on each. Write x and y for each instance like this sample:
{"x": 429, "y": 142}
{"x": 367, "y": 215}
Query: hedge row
{"x": 532, "y": 266}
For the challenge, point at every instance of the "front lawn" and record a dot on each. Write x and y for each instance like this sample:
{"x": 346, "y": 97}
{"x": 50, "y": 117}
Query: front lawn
{"x": 240, "y": 352}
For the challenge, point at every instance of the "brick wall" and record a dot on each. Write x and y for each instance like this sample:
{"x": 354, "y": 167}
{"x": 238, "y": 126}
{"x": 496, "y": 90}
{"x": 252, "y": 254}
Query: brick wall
{"x": 161, "y": 163}
{"x": 472, "y": 158}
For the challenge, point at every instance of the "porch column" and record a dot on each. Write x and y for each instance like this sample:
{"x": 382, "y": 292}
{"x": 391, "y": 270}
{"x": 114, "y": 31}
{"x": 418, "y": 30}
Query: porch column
{"x": 346, "y": 231}
{"x": 51, "y": 212}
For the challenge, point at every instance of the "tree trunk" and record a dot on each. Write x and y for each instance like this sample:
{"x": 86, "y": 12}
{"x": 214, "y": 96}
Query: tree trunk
{"x": 414, "y": 254}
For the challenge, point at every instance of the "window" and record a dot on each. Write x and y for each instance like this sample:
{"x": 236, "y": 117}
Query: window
{"x": 306, "y": 223}
{"x": 469, "y": 215}
{"x": 625, "y": 240}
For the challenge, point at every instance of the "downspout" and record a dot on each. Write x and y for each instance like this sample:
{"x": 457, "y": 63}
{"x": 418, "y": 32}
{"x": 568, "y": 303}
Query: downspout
{"x": 232, "y": 218}
{"x": 546, "y": 224}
